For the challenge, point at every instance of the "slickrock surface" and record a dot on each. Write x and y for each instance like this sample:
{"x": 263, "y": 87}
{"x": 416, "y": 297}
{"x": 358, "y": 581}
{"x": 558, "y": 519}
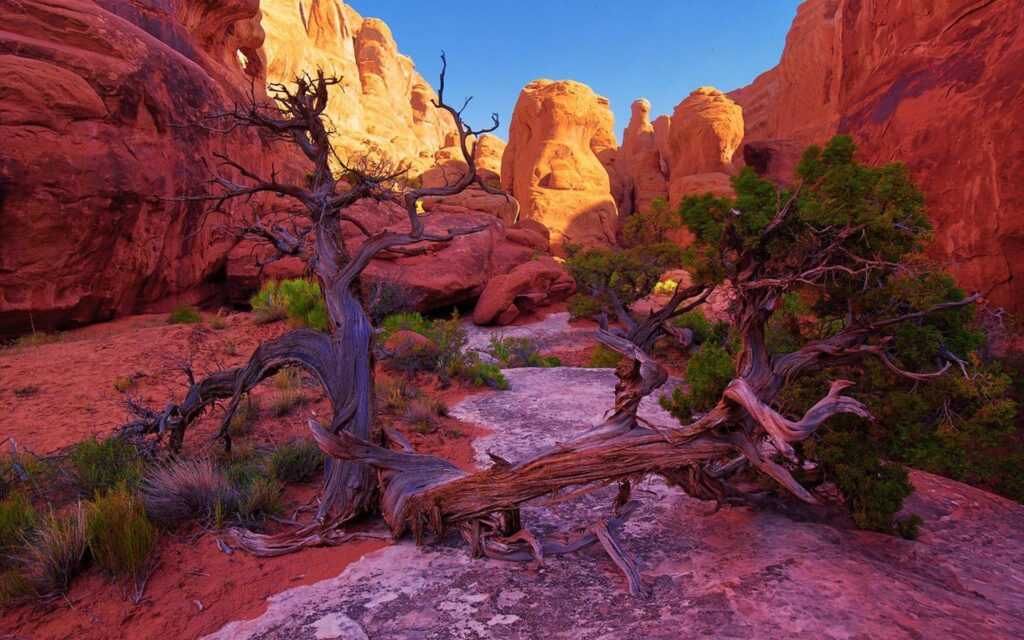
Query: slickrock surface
{"x": 740, "y": 572}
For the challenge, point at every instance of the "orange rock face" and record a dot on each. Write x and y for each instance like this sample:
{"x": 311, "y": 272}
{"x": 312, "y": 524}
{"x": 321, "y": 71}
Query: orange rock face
{"x": 449, "y": 167}
{"x": 94, "y": 99}
{"x": 640, "y": 161}
{"x": 560, "y": 152}
{"x": 932, "y": 84}
{"x": 382, "y": 104}
{"x": 705, "y": 131}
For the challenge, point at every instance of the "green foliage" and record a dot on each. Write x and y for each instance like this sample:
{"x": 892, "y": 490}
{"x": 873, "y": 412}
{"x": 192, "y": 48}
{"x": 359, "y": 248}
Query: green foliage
{"x": 483, "y": 374}
{"x": 184, "y": 314}
{"x": 519, "y": 352}
{"x": 650, "y": 227}
{"x": 702, "y": 328}
{"x": 408, "y": 321}
{"x": 582, "y": 306}
{"x": 603, "y": 358}
{"x": 385, "y": 298}
{"x": 100, "y": 465}
{"x": 17, "y": 517}
{"x": 287, "y": 392}
{"x": 121, "y": 538}
{"x": 295, "y": 461}
{"x": 708, "y": 371}
{"x": 625, "y": 275}
{"x": 297, "y": 299}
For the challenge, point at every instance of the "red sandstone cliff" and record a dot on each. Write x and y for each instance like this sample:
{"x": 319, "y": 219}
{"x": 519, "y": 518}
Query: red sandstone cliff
{"x": 933, "y": 83}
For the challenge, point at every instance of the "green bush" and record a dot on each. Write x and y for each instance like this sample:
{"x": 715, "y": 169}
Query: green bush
{"x": 519, "y": 352}
{"x": 407, "y": 321}
{"x": 482, "y": 374}
{"x": 295, "y": 461}
{"x": 17, "y": 517}
{"x": 184, "y": 314}
{"x": 650, "y": 227}
{"x": 701, "y": 327}
{"x": 51, "y": 554}
{"x": 582, "y": 306}
{"x": 298, "y": 299}
{"x": 708, "y": 372}
{"x": 121, "y": 538}
{"x": 100, "y": 465}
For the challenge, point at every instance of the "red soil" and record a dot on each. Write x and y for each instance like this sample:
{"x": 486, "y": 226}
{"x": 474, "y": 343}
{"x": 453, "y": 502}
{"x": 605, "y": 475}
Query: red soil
{"x": 54, "y": 395}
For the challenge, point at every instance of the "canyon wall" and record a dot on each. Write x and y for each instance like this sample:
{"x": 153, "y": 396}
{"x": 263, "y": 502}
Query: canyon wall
{"x": 933, "y": 83}
{"x": 97, "y": 101}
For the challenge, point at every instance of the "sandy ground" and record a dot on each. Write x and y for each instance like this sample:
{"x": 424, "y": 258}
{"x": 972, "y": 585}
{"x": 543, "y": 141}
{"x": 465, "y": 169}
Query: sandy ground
{"x": 56, "y": 394}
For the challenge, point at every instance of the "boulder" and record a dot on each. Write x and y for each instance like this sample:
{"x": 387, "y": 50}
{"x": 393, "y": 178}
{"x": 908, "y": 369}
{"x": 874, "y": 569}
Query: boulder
{"x": 96, "y": 99}
{"x": 558, "y": 160}
{"x": 639, "y": 161}
{"x": 934, "y": 86}
{"x": 529, "y": 285}
{"x": 705, "y": 131}
{"x": 406, "y": 346}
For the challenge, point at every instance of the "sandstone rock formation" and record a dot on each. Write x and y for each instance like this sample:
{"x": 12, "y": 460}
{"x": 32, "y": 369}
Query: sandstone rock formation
{"x": 640, "y": 161}
{"x": 95, "y": 99}
{"x": 449, "y": 167}
{"x": 705, "y": 131}
{"x": 382, "y": 104}
{"x": 935, "y": 85}
{"x": 529, "y": 285}
{"x": 561, "y": 149}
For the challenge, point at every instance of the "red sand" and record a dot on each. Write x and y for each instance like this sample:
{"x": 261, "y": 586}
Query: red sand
{"x": 54, "y": 395}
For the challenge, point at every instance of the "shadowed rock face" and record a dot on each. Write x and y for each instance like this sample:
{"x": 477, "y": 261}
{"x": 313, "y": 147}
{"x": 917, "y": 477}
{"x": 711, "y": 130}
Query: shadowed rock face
{"x": 94, "y": 98}
{"x": 738, "y": 572}
{"x": 933, "y": 84}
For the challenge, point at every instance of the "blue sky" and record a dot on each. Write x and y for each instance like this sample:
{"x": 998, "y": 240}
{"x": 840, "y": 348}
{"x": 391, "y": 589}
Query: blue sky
{"x": 659, "y": 50}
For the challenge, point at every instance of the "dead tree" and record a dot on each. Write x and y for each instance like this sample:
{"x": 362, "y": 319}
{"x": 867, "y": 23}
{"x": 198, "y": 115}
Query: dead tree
{"x": 340, "y": 359}
{"x": 426, "y": 494}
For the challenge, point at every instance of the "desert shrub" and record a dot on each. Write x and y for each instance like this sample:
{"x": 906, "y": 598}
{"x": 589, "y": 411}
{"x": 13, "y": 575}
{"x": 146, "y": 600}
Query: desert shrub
{"x": 100, "y": 465}
{"x": 665, "y": 288}
{"x": 708, "y": 371}
{"x": 253, "y": 495}
{"x": 701, "y": 327}
{"x": 287, "y": 392}
{"x": 298, "y": 299}
{"x": 650, "y": 227}
{"x": 21, "y": 470}
{"x": 184, "y": 314}
{"x": 393, "y": 394}
{"x": 623, "y": 275}
{"x": 50, "y": 555}
{"x": 17, "y": 517}
{"x": 183, "y": 490}
{"x": 440, "y": 408}
{"x": 449, "y": 336}
{"x": 407, "y": 321}
{"x": 245, "y": 414}
{"x": 295, "y": 461}
{"x": 218, "y": 321}
{"x": 483, "y": 374}
{"x": 419, "y": 413}
{"x": 121, "y": 538}
{"x": 519, "y": 352}
{"x": 386, "y": 297}
{"x": 603, "y": 358}
{"x": 582, "y": 306}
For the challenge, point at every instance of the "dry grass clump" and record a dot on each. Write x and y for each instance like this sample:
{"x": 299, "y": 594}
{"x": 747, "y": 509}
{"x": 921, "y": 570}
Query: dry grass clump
{"x": 295, "y": 461}
{"x": 121, "y": 538}
{"x": 288, "y": 392}
{"x": 185, "y": 490}
{"x": 17, "y": 517}
{"x": 49, "y": 556}
{"x": 100, "y": 465}
{"x": 246, "y": 413}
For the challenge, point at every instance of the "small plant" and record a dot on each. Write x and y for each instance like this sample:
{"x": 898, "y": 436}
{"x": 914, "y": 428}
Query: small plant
{"x": 100, "y": 465}
{"x": 230, "y": 348}
{"x": 49, "y": 557}
{"x": 419, "y": 413}
{"x": 603, "y": 358}
{"x": 385, "y": 298}
{"x": 253, "y": 494}
{"x": 121, "y": 538}
{"x": 17, "y": 517}
{"x": 185, "y": 490}
{"x": 219, "y": 320}
{"x": 708, "y": 371}
{"x": 295, "y": 461}
{"x": 909, "y": 527}
{"x": 26, "y": 391}
{"x": 246, "y": 412}
{"x": 298, "y": 299}
{"x": 581, "y": 307}
{"x": 482, "y": 374}
{"x": 393, "y": 395}
{"x": 288, "y": 393}
{"x": 184, "y": 314}
{"x": 123, "y": 383}
{"x": 440, "y": 408}
{"x": 409, "y": 321}
{"x": 519, "y": 352}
